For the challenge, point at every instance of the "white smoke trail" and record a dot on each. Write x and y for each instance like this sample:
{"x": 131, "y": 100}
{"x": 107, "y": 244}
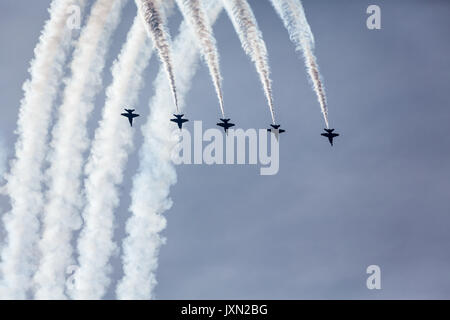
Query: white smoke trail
{"x": 152, "y": 13}
{"x": 246, "y": 26}
{"x": 69, "y": 142}
{"x": 3, "y": 161}
{"x": 196, "y": 17}
{"x": 3, "y": 157}
{"x": 25, "y": 178}
{"x": 150, "y": 192}
{"x": 294, "y": 19}
{"x": 109, "y": 154}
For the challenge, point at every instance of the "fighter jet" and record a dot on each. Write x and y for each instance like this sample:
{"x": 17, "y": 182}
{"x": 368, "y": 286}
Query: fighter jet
{"x": 225, "y": 124}
{"x": 130, "y": 115}
{"x": 276, "y": 130}
{"x": 330, "y": 135}
{"x": 179, "y": 121}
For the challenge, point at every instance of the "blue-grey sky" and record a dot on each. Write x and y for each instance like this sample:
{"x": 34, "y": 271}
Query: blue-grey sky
{"x": 379, "y": 196}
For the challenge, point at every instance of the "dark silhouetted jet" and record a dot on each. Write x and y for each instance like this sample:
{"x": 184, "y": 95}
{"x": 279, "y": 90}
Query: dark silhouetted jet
{"x": 330, "y": 135}
{"x": 225, "y": 124}
{"x": 179, "y": 121}
{"x": 276, "y": 130}
{"x": 130, "y": 115}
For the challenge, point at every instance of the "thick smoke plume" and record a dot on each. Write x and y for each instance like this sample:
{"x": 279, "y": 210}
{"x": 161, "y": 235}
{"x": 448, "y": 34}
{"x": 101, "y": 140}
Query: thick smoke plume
{"x": 113, "y": 140}
{"x": 25, "y": 179}
{"x": 69, "y": 142}
{"x": 156, "y": 174}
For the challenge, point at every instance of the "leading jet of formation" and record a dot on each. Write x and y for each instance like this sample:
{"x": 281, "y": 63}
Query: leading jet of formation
{"x": 130, "y": 115}
{"x": 178, "y": 120}
{"x": 225, "y": 124}
{"x": 330, "y": 135}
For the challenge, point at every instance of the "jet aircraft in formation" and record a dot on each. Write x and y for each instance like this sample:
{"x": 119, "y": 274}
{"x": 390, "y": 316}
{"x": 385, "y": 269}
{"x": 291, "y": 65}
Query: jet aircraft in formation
{"x": 330, "y": 135}
{"x": 226, "y": 124}
{"x": 276, "y": 130}
{"x": 130, "y": 115}
{"x": 178, "y": 120}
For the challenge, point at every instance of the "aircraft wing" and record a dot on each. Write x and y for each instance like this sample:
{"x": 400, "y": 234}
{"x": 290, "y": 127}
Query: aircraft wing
{"x": 324, "y": 134}
{"x": 124, "y": 114}
{"x": 135, "y": 115}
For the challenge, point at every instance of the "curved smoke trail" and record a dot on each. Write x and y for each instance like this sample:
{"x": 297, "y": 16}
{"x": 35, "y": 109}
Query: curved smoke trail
{"x": 156, "y": 173}
{"x": 151, "y": 12}
{"x": 113, "y": 140}
{"x": 69, "y": 142}
{"x": 244, "y": 22}
{"x": 294, "y": 19}
{"x": 196, "y": 17}
{"x": 25, "y": 178}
